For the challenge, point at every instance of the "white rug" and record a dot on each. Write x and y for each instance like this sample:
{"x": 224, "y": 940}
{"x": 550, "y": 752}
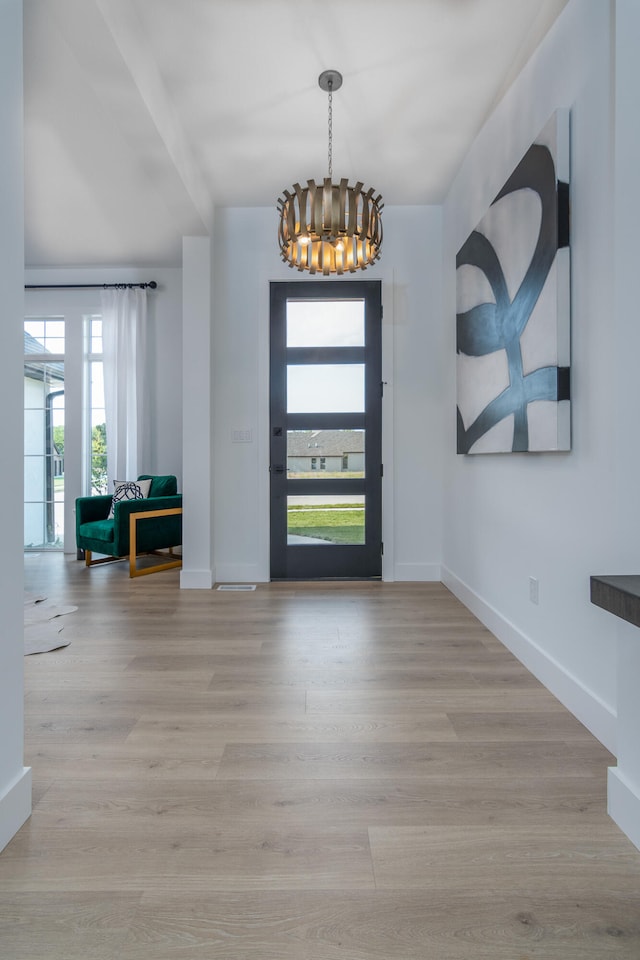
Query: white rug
{"x": 42, "y": 624}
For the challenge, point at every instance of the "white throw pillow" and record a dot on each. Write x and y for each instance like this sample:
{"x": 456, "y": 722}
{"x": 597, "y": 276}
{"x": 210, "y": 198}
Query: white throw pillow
{"x": 129, "y": 490}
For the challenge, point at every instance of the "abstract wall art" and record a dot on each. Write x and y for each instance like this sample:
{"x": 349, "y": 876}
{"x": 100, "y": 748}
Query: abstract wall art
{"x": 513, "y": 309}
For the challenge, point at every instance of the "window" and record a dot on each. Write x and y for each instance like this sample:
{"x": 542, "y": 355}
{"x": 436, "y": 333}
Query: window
{"x": 44, "y": 335}
{"x": 314, "y": 463}
{"x": 323, "y": 463}
{"x": 44, "y": 432}
{"x": 95, "y": 431}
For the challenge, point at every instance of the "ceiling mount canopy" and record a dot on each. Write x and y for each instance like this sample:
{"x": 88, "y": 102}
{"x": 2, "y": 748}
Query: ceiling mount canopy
{"x": 330, "y": 227}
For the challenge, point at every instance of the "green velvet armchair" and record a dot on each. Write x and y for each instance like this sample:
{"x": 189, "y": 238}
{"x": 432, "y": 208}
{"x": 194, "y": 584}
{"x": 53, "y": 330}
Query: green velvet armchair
{"x": 137, "y": 527}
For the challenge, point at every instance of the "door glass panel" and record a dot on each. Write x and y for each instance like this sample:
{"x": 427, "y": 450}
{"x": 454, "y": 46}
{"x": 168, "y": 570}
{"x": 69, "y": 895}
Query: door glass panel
{"x": 331, "y": 519}
{"x": 34, "y": 524}
{"x": 34, "y": 471}
{"x": 325, "y": 454}
{"x": 43, "y": 449}
{"x": 325, "y": 388}
{"x": 34, "y": 428}
{"x": 325, "y": 323}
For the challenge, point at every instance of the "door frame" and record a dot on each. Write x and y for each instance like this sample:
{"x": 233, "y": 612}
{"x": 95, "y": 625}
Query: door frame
{"x": 73, "y": 306}
{"x": 371, "y": 289}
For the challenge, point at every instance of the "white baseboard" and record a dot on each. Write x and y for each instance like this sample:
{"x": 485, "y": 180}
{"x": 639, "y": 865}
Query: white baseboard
{"x": 410, "y": 572}
{"x": 196, "y": 579}
{"x": 240, "y": 573}
{"x": 15, "y": 806}
{"x": 596, "y": 715}
{"x": 623, "y": 805}
{"x": 254, "y": 573}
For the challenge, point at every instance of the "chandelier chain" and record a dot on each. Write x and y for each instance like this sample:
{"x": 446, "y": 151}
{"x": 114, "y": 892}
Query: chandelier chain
{"x": 330, "y": 129}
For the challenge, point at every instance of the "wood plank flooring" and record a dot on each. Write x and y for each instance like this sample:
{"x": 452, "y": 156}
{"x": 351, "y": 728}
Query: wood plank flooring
{"x": 354, "y": 771}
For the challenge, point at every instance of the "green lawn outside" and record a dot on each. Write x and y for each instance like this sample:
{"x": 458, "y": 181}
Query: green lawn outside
{"x": 342, "y": 525}
{"x": 324, "y": 507}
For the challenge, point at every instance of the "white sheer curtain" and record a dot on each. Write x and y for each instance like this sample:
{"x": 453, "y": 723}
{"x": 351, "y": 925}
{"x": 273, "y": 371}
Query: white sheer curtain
{"x": 124, "y": 336}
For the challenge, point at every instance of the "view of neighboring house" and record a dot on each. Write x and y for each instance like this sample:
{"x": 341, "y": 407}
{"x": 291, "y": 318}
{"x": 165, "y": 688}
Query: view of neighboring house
{"x": 335, "y": 451}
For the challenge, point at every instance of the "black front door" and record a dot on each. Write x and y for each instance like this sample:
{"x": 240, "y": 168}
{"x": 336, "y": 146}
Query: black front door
{"x": 325, "y": 422}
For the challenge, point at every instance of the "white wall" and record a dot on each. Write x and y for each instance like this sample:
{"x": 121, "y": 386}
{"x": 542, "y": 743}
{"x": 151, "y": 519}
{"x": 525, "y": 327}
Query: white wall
{"x": 164, "y": 310}
{"x": 15, "y": 779}
{"x": 197, "y": 532}
{"x": 247, "y": 258}
{"x": 624, "y": 779}
{"x": 549, "y": 516}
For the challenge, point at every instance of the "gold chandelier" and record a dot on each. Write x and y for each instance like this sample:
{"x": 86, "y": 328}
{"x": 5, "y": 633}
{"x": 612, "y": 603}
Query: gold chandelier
{"x": 330, "y": 227}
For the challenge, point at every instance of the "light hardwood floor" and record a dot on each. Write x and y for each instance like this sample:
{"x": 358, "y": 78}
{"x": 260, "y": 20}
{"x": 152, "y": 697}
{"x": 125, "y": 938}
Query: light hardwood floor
{"x": 354, "y": 771}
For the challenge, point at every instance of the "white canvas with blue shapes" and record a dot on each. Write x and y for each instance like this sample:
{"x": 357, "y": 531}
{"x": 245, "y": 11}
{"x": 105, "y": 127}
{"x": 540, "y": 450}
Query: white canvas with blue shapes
{"x": 513, "y": 309}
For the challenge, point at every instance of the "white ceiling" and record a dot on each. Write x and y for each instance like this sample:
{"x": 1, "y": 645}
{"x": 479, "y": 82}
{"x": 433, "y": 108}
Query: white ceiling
{"x": 141, "y": 115}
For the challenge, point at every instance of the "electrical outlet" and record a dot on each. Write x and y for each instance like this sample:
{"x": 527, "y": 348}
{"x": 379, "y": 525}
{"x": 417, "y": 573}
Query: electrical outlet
{"x": 534, "y": 587}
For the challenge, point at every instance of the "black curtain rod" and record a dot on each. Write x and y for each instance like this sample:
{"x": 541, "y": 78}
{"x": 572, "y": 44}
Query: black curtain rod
{"x": 91, "y": 286}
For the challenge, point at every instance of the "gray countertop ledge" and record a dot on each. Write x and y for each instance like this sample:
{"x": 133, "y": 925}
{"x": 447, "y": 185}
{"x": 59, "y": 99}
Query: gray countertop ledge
{"x": 619, "y": 595}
